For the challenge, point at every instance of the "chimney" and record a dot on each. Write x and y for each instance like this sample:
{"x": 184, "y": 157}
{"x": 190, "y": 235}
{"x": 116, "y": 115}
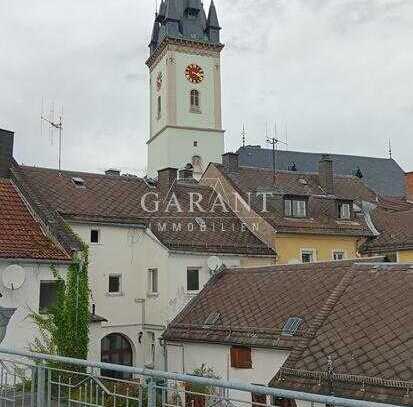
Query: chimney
{"x": 112, "y": 172}
{"x": 167, "y": 177}
{"x": 230, "y": 162}
{"x": 325, "y": 174}
{"x": 187, "y": 174}
{"x": 409, "y": 186}
{"x": 6, "y": 152}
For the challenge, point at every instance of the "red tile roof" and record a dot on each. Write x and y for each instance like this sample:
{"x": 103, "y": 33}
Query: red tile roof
{"x": 357, "y": 312}
{"x": 322, "y": 217}
{"x": 117, "y": 199}
{"x": 366, "y": 334}
{"x": 21, "y": 236}
{"x": 396, "y": 231}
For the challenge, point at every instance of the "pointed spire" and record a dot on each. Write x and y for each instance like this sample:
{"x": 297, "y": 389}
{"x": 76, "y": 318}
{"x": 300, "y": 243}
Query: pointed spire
{"x": 171, "y": 11}
{"x": 162, "y": 12}
{"x": 155, "y": 36}
{"x": 212, "y": 21}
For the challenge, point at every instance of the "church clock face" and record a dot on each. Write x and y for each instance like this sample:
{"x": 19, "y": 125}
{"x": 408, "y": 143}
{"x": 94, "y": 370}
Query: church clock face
{"x": 159, "y": 80}
{"x": 194, "y": 73}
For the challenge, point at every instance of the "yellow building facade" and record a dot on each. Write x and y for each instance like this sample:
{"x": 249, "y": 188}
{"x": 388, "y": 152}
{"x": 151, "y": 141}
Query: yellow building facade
{"x": 292, "y": 247}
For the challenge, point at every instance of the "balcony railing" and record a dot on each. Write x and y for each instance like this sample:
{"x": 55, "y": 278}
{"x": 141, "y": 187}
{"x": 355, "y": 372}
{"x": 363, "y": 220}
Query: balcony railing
{"x": 35, "y": 380}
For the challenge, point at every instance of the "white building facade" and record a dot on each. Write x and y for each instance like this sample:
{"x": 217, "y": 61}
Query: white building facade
{"x": 185, "y": 89}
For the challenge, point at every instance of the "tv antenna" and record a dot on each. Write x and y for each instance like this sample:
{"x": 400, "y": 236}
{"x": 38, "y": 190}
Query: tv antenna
{"x": 54, "y": 123}
{"x": 274, "y": 141}
{"x": 243, "y": 135}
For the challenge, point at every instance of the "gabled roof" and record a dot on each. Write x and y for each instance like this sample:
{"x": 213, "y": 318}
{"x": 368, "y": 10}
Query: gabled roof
{"x": 115, "y": 199}
{"x": 254, "y": 304}
{"x": 21, "y": 235}
{"x": 362, "y": 347}
{"x": 355, "y": 339}
{"x": 323, "y": 215}
{"x": 382, "y": 175}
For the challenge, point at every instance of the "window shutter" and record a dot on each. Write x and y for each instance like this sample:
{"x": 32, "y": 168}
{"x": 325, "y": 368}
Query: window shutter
{"x": 241, "y": 357}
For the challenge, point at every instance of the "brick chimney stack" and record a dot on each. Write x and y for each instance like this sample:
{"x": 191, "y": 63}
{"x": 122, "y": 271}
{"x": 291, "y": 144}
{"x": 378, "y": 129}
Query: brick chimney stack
{"x": 326, "y": 174}
{"x": 409, "y": 186}
{"x": 166, "y": 178}
{"x": 6, "y": 152}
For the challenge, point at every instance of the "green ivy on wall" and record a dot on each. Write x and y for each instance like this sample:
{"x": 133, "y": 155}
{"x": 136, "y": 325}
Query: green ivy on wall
{"x": 64, "y": 331}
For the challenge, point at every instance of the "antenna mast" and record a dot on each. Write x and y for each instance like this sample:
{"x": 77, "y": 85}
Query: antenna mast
{"x": 54, "y": 124}
{"x": 274, "y": 141}
{"x": 390, "y": 149}
{"x": 243, "y": 135}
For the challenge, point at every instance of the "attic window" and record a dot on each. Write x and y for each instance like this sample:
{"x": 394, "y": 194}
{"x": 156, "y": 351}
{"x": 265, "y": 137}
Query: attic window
{"x": 212, "y": 319}
{"x": 344, "y": 210}
{"x": 79, "y": 182}
{"x": 291, "y": 326}
{"x": 295, "y": 207}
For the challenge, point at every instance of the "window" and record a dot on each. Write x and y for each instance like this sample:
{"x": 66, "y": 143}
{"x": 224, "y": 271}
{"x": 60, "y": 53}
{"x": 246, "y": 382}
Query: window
{"x": 192, "y": 279}
{"x": 48, "y": 295}
{"x": 344, "y": 210}
{"x": 159, "y": 107}
{"x": 195, "y": 100}
{"x": 279, "y": 401}
{"x": 292, "y": 326}
{"x": 115, "y": 284}
{"x": 79, "y": 182}
{"x": 95, "y": 236}
{"x": 258, "y": 400}
{"x": 241, "y": 357}
{"x": 150, "y": 349}
{"x": 307, "y": 256}
{"x": 338, "y": 255}
{"x": 153, "y": 281}
{"x": 295, "y": 207}
{"x": 195, "y": 144}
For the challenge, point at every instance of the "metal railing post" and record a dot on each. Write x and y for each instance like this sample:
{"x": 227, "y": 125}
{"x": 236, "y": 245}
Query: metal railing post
{"x": 151, "y": 393}
{"x": 41, "y": 385}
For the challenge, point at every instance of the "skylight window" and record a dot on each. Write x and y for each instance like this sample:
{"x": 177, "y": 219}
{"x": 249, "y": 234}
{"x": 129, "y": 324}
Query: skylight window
{"x": 291, "y": 326}
{"x": 212, "y": 319}
{"x": 79, "y": 182}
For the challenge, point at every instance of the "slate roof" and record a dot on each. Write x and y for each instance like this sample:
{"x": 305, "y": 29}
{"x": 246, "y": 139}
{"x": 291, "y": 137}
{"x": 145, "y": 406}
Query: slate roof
{"x": 382, "y": 175}
{"x": 185, "y": 20}
{"x": 117, "y": 199}
{"x": 323, "y": 215}
{"x": 366, "y": 332}
{"x": 21, "y": 235}
{"x": 358, "y": 313}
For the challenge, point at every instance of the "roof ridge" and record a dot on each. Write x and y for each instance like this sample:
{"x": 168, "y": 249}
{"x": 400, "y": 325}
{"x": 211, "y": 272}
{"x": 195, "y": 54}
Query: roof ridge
{"x": 51, "y": 219}
{"x": 123, "y": 177}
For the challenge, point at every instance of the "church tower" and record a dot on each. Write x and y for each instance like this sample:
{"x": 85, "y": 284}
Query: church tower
{"x": 185, "y": 87}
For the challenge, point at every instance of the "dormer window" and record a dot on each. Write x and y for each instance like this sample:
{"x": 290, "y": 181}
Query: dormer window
{"x": 344, "y": 210}
{"x": 79, "y": 182}
{"x": 295, "y": 207}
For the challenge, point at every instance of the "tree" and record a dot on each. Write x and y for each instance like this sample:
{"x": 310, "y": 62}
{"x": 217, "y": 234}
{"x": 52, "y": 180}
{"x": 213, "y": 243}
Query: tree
{"x": 64, "y": 331}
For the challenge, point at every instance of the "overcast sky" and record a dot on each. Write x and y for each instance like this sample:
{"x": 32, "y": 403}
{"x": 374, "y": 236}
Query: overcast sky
{"x": 338, "y": 74}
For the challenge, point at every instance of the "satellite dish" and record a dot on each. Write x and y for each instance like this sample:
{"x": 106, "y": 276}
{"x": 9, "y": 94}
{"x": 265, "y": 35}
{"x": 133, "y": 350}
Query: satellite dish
{"x": 214, "y": 263}
{"x": 14, "y": 277}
